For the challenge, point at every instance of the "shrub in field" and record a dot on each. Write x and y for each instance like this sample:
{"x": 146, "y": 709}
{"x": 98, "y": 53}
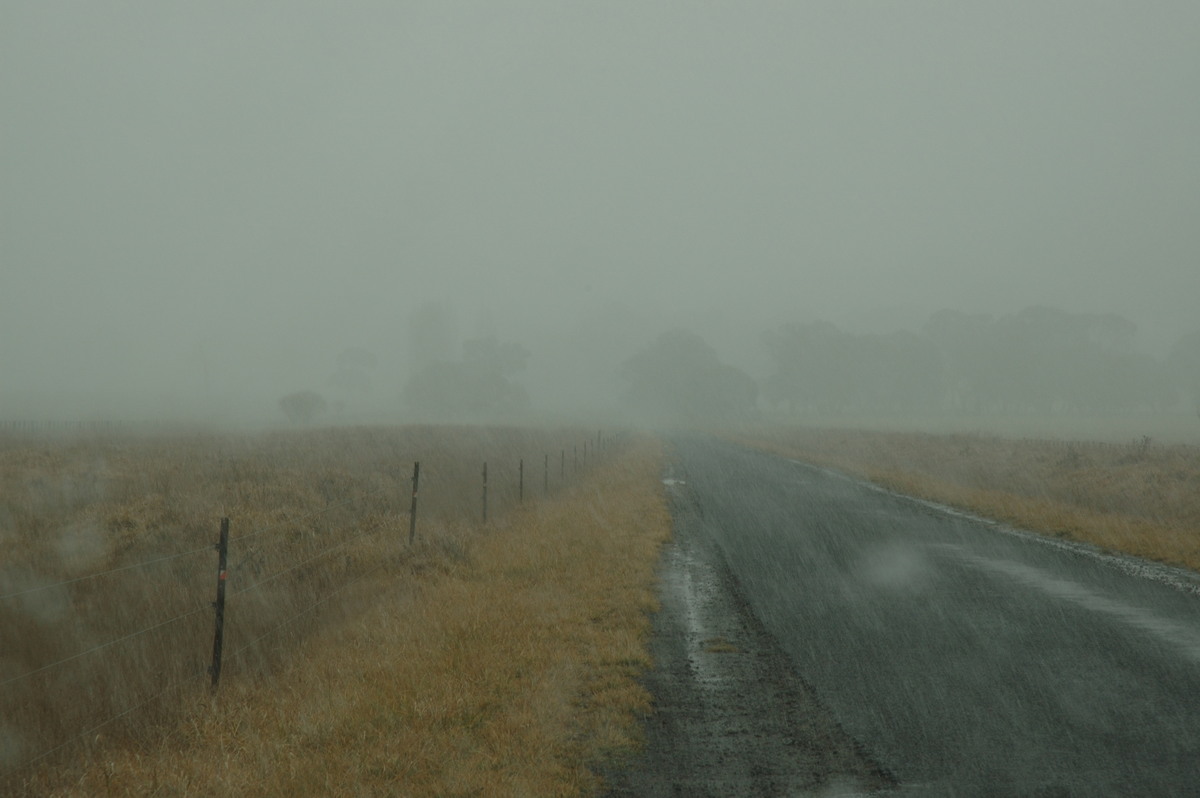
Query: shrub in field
{"x": 302, "y": 407}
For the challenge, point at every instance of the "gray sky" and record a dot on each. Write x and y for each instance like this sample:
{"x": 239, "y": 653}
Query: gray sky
{"x": 218, "y": 197}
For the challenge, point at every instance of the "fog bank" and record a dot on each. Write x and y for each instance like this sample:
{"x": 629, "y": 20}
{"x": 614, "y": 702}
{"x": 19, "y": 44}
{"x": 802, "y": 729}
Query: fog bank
{"x": 205, "y": 208}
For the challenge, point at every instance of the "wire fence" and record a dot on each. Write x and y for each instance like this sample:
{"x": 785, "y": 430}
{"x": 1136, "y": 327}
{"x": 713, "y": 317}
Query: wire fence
{"x": 60, "y": 428}
{"x": 128, "y": 636}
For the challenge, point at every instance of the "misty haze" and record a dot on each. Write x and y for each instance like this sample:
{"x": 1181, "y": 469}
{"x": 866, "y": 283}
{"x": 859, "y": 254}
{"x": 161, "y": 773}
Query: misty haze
{"x": 208, "y": 209}
{"x": 611, "y": 399}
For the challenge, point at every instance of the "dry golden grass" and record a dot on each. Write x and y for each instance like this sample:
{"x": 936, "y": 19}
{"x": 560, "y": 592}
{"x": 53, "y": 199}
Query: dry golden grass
{"x": 361, "y": 657}
{"x": 1140, "y": 498}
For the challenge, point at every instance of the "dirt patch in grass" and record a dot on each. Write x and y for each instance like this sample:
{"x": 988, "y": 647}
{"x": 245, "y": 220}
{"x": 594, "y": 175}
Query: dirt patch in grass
{"x": 1140, "y": 497}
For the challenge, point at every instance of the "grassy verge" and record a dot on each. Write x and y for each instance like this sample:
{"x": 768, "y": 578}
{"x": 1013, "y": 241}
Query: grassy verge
{"x": 1140, "y": 498}
{"x": 107, "y": 564}
{"x": 497, "y": 662}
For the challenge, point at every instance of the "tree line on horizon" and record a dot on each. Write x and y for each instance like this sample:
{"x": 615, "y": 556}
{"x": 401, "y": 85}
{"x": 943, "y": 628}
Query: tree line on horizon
{"x": 1039, "y": 361}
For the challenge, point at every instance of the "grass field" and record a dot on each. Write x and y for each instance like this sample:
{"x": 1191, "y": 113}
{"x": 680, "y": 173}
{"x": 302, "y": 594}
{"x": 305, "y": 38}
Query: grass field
{"x": 1138, "y": 497}
{"x": 497, "y": 659}
{"x": 484, "y": 660}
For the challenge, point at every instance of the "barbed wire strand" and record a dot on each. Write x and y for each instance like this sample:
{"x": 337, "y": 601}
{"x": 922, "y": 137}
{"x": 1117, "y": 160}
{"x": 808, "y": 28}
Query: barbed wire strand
{"x": 302, "y": 563}
{"x": 188, "y": 553}
{"x": 148, "y": 629}
{"x": 289, "y": 521}
{"x": 312, "y": 514}
{"x": 175, "y": 685}
{"x": 179, "y": 682}
{"x": 243, "y": 649}
{"x": 98, "y": 574}
{"x": 102, "y": 646}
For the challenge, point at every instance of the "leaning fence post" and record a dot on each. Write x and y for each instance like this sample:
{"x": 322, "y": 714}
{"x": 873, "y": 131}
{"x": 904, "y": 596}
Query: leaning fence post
{"x": 485, "y": 492}
{"x": 412, "y": 513}
{"x": 222, "y": 548}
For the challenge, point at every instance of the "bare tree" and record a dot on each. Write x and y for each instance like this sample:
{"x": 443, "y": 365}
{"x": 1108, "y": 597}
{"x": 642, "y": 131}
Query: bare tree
{"x": 303, "y": 406}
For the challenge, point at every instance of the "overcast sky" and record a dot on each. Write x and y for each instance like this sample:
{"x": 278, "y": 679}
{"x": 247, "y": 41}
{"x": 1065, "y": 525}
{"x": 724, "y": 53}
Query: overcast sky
{"x": 220, "y": 193}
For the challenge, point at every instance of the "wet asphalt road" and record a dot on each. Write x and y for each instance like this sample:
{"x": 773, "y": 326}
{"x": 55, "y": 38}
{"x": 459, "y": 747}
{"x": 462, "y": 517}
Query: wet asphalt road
{"x": 966, "y": 658}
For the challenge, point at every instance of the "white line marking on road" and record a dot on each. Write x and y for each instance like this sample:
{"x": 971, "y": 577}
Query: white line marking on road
{"x": 1169, "y": 631}
{"x": 1178, "y": 578}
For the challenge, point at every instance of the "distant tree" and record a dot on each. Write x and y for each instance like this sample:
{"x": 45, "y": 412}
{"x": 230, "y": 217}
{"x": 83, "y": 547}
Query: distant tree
{"x": 489, "y": 356}
{"x": 1046, "y": 361}
{"x": 965, "y": 345}
{"x": 432, "y": 335}
{"x": 811, "y": 367}
{"x": 821, "y": 369}
{"x": 303, "y": 406}
{"x": 906, "y": 373}
{"x": 480, "y": 385}
{"x": 1054, "y": 361}
{"x": 679, "y": 379}
{"x": 354, "y": 367}
{"x": 1183, "y": 365}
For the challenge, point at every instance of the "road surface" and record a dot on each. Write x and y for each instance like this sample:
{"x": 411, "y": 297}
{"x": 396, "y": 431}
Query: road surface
{"x": 960, "y": 656}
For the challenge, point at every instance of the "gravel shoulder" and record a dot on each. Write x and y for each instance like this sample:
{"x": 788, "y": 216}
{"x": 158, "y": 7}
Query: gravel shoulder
{"x": 731, "y": 717}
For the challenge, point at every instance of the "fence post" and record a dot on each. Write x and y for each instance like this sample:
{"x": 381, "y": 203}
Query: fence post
{"x": 412, "y": 513}
{"x": 222, "y": 548}
{"x": 521, "y": 481}
{"x": 546, "y": 476}
{"x": 562, "y": 466}
{"x": 485, "y": 492}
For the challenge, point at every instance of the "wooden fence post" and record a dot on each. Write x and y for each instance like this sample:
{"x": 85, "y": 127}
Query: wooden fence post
{"x": 546, "y": 476}
{"x": 412, "y": 513}
{"x": 521, "y": 481}
{"x": 485, "y": 492}
{"x": 222, "y": 548}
